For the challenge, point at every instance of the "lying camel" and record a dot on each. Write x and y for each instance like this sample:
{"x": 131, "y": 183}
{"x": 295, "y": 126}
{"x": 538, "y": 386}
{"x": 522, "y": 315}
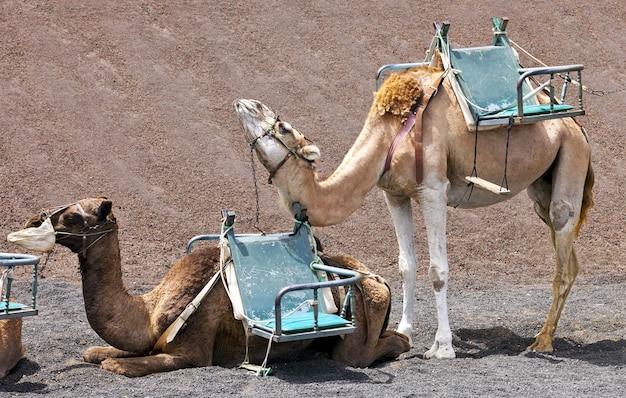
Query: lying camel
{"x": 212, "y": 336}
{"x": 11, "y": 348}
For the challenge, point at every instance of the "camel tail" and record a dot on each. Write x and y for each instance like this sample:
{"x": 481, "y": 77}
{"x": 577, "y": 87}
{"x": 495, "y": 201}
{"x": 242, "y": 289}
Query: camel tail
{"x": 587, "y": 197}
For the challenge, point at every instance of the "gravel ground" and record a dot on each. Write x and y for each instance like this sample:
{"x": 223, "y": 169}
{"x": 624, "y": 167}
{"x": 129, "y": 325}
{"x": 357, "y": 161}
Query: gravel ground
{"x": 491, "y": 330}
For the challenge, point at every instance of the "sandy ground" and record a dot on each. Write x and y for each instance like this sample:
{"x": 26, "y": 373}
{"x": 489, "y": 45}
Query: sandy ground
{"x": 133, "y": 101}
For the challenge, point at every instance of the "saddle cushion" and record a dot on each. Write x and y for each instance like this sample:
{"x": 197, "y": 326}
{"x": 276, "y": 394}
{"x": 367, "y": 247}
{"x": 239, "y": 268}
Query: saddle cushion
{"x": 305, "y": 321}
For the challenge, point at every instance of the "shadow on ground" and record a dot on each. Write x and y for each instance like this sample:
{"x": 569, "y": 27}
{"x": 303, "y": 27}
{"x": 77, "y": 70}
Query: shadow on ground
{"x": 12, "y": 381}
{"x": 480, "y": 343}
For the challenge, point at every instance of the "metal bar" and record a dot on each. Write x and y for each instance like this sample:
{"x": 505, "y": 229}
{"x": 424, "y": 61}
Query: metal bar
{"x": 564, "y": 90}
{"x": 527, "y": 72}
{"x": 580, "y": 90}
{"x": 352, "y": 277}
{"x": 7, "y": 259}
{"x": 269, "y": 333}
{"x": 390, "y": 67}
{"x": 12, "y": 260}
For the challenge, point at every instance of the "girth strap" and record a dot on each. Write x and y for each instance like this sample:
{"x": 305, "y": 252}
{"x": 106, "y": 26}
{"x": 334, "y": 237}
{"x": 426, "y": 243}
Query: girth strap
{"x": 415, "y": 120}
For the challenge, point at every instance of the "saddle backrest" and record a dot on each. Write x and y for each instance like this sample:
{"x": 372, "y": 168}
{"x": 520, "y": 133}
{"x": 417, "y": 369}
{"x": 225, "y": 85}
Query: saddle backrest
{"x": 488, "y": 77}
{"x": 264, "y": 264}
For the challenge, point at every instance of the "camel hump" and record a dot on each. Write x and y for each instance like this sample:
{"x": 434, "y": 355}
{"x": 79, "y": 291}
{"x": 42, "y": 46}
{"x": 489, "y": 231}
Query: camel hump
{"x": 398, "y": 94}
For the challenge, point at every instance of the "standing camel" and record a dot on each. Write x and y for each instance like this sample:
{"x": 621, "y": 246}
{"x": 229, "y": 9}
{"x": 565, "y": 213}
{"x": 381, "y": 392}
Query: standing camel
{"x": 550, "y": 159}
{"x": 212, "y": 336}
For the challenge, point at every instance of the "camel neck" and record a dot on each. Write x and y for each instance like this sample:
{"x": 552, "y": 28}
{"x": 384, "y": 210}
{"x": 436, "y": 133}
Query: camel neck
{"x": 112, "y": 312}
{"x": 332, "y": 200}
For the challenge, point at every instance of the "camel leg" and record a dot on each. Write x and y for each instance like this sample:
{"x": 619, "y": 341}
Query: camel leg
{"x": 177, "y": 356}
{"x": 434, "y": 203}
{"x": 402, "y": 217}
{"x": 141, "y": 366}
{"x": 97, "y": 354}
{"x": 559, "y": 205}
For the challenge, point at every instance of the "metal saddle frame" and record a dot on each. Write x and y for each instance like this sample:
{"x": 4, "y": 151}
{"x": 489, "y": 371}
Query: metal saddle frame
{"x": 491, "y": 87}
{"x": 277, "y": 280}
{"x": 8, "y": 264}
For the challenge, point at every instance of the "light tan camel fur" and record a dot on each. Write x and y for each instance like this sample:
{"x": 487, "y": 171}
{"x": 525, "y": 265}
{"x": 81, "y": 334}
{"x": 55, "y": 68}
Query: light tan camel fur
{"x": 551, "y": 160}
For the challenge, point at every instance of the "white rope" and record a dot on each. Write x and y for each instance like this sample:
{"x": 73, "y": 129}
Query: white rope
{"x": 527, "y": 53}
{"x": 264, "y": 370}
{"x": 6, "y": 274}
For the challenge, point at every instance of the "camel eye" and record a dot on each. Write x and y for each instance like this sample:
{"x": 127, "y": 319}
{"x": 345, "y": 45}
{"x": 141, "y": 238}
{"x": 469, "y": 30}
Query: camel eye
{"x": 285, "y": 128}
{"x": 72, "y": 219}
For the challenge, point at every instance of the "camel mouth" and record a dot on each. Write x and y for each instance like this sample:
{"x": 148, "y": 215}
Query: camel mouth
{"x": 253, "y": 109}
{"x": 255, "y": 118}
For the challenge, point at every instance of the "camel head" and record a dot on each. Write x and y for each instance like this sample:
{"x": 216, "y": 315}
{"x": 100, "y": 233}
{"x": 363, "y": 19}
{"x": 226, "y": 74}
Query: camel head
{"x": 78, "y": 225}
{"x": 274, "y": 140}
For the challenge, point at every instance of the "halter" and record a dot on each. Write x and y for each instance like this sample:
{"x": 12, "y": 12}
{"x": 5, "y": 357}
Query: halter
{"x": 84, "y": 234}
{"x": 292, "y": 151}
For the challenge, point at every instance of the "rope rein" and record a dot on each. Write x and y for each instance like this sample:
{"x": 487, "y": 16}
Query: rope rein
{"x": 598, "y": 93}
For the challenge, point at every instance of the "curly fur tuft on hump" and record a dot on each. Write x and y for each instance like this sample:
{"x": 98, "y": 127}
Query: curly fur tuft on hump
{"x": 398, "y": 94}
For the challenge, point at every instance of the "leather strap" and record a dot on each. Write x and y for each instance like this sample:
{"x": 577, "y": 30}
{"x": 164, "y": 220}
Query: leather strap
{"x": 415, "y": 120}
{"x": 406, "y": 128}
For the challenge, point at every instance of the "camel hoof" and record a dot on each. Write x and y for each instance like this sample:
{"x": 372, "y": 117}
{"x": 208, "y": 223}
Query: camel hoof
{"x": 93, "y": 355}
{"x": 116, "y": 366}
{"x": 440, "y": 351}
{"x": 405, "y": 330}
{"x": 538, "y": 347}
{"x": 543, "y": 343}
{"x": 112, "y": 366}
{"x": 397, "y": 343}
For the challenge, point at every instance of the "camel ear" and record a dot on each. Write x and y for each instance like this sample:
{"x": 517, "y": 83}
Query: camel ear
{"x": 310, "y": 152}
{"x": 436, "y": 61}
{"x": 104, "y": 210}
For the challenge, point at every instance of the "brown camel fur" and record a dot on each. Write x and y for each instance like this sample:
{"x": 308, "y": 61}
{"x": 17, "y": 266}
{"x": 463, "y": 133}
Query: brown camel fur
{"x": 11, "y": 348}
{"x": 212, "y": 336}
{"x": 550, "y": 159}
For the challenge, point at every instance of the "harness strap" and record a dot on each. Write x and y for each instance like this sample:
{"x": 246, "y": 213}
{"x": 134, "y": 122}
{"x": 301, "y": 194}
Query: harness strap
{"x": 415, "y": 119}
{"x": 84, "y": 215}
{"x": 406, "y": 128}
{"x": 175, "y": 327}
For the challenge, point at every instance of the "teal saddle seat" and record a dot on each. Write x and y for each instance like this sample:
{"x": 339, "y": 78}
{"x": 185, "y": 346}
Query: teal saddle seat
{"x": 488, "y": 77}
{"x": 277, "y": 284}
{"x": 492, "y": 88}
{"x": 8, "y": 266}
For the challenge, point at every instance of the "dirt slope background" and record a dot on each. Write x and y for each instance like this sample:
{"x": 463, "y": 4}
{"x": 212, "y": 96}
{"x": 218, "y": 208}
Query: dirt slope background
{"x": 132, "y": 100}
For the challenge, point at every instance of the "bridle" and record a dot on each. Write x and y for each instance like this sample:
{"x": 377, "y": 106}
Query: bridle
{"x": 86, "y": 228}
{"x": 292, "y": 151}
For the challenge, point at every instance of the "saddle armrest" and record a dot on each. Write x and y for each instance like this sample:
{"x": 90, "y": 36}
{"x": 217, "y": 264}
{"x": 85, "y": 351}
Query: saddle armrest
{"x": 8, "y": 308}
{"x": 351, "y": 278}
{"x": 550, "y": 70}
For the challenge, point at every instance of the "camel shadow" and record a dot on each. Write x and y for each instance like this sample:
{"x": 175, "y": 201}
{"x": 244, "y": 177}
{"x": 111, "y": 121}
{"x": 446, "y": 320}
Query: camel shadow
{"x": 480, "y": 343}
{"x": 11, "y": 382}
{"x": 320, "y": 369}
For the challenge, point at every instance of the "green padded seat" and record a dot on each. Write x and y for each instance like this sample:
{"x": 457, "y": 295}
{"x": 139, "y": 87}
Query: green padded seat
{"x": 12, "y": 306}
{"x": 302, "y": 322}
{"x": 536, "y": 109}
